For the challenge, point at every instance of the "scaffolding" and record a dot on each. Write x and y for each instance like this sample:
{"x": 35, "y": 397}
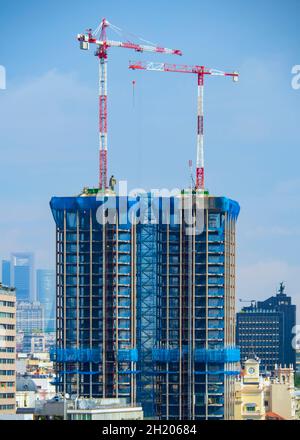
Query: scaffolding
{"x": 146, "y": 304}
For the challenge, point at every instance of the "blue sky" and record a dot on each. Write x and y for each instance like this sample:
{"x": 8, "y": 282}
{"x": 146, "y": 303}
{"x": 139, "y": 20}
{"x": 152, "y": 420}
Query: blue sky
{"x": 48, "y": 114}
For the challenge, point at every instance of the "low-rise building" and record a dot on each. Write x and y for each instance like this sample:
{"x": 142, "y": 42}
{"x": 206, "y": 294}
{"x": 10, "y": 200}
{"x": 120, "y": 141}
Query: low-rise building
{"x": 34, "y": 343}
{"x": 261, "y": 398}
{"x": 30, "y": 317}
{"x": 249, "y": 393}
{"x": 45, "y": 387}
{"x": 297, "y": 403}
{"x": 103, "y": 409}
{"x": 34, "y": 364}
{"x": 26, "y": 395}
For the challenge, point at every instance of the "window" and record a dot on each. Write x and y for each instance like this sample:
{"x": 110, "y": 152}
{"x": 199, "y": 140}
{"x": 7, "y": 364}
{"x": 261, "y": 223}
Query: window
{"x": 7, "y": 372}
{"x": 6, "y": 315}
{"x": 7, "y": 361}
{"x": 7, "y": 407}
{"x": 7, "y": 327}
{"x": 7, "y": 304}
{"x": 7, "y": 395}
{"x": 250, "y": 407}
{"x": 214, "y": 221}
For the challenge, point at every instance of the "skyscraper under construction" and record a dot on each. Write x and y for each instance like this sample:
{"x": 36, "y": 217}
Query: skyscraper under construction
{"x": 146, "y": 309}
{"x": 146, "y": 284}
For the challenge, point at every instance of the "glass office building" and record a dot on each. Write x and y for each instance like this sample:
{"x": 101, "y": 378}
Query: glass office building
{"x": 267, "y": 330}
{"x": 45, "y": 289}
{"x": 22, "y": 275}
{"x": 30, "y": 317}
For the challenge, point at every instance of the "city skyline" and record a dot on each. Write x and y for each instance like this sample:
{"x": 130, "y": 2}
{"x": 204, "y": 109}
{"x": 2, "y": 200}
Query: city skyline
{"x": 149, "y": 237}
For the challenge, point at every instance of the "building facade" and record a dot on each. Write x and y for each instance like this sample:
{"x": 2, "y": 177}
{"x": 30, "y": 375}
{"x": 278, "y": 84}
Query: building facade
{"x": 30, "y": 317}
{"x": 195, "y": 356}
{"x": 262, "y": 398}
{"x": 26, "y": 395}
{"x": 45, "y": 288}
{"x": 103, "y": 409}
{"x": 267, "y": 330}
{"x": 33, "y": 343}
{"x": 22, "y": 275}
{"x": 146, "y": 311}
{"x": 7, "y": 350}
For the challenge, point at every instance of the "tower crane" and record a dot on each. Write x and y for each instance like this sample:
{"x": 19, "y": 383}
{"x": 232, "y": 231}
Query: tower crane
{"x": 201, "y": 72}
{"x": 102, "y": 46}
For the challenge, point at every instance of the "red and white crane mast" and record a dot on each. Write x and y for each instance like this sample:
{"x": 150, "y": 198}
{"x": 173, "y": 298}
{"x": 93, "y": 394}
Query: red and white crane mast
{"x": 102, "y": 45}
{"x": 200, "y": 71}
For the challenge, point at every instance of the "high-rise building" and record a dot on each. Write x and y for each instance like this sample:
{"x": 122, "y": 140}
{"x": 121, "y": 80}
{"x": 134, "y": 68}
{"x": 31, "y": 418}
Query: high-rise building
{"x": 6, "y": 273}
{"x": 146, "y": 311}
{"x": 45, "y": 288}
{"x": 22, "y": 275}
{"x": 96, "y": 327}
{"x": 195, "y": 356}
{"x": 7, "y": 350}
{"x": 30, "y": 317}
{"x": 266, "y": 329}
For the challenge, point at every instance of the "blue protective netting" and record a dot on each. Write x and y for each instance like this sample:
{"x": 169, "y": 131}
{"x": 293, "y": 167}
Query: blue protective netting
{"x": 222, "y": 355}
{"x": 75, "y": 355}
{"x": 86, "y": 373}
{"x": 130, "y": 355}
{"x": 165, "y": 355}
{"x": 200, "y": 355}
{"x": 227, "y": 372}
{"x": 125, "y": 204}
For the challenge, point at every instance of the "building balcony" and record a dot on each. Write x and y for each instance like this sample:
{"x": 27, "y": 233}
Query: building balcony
{"x": 256, "y": 414}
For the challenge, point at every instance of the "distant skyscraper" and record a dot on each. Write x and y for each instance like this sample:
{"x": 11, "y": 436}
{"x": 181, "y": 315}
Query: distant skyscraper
{"x": 266, "y": 330}
{"x": 6, "y": 273}
{"x": 45, "y": 287}
{"x": 22, "y": 275}
{"x": 30, "y": 317}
